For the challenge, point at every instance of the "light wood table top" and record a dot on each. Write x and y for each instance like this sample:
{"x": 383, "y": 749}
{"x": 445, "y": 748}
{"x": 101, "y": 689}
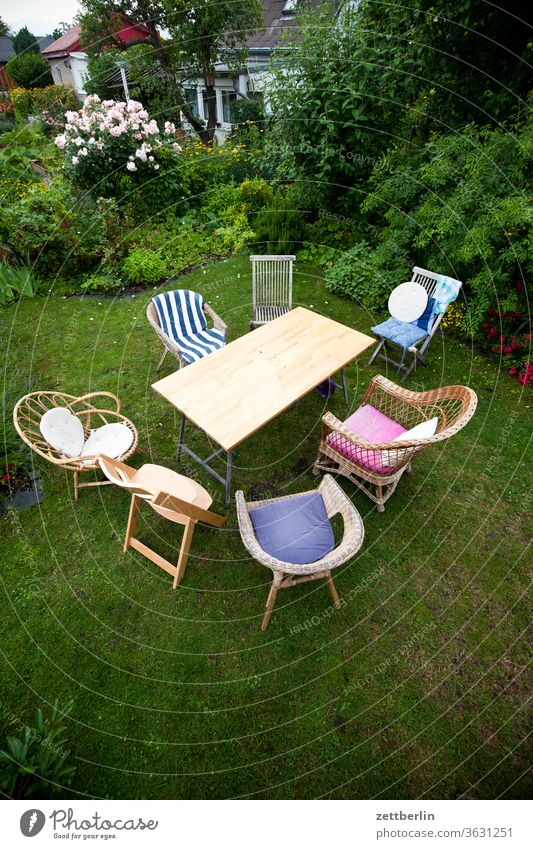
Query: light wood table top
{"x": 236, "y": 390}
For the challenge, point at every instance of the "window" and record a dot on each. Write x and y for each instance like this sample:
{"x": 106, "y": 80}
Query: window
{"x": 191, "y": 96}
{"x": 228, "y": 98}
{"x": 205, "y": 104}
{"x": 58, "y": 74}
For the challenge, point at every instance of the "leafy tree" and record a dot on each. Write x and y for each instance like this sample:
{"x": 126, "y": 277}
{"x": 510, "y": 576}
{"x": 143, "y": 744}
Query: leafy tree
{"x": 61, "y": 29}
{"x": 205, "y": 32}
{"x": 30, "y": 70}
{"x": 199, "y": 36}
{"x": 24, "y": 42}
{"x": 145, "y": 80}
{"x": 337, "y": 99}
{"x": 4, "y": 29}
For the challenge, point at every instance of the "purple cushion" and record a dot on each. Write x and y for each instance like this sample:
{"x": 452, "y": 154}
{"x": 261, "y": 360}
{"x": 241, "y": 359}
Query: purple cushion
{"x": 372, "y": 426}
{"x": 296, "y": 530}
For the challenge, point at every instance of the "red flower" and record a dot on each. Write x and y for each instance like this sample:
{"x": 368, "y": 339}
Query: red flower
{"x": 511, "y": 371}
{"x": 5, "y": 477}
{"x": 490, "y": 310}
{"x": 508, "y": 350}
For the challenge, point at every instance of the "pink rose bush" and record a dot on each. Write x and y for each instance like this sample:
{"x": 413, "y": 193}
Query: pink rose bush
{"x": 106, "y": 142}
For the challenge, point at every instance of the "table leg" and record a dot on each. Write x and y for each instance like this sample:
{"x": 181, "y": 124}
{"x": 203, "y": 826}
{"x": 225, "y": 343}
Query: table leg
{"x": 180, "y": 438}
{"x": 229, "y": 460}
{"x": 344, "y": 387}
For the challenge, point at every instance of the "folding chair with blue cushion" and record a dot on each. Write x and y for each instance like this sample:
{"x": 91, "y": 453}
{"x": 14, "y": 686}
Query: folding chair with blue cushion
{"x": 179, "y": 319}
{"x": 415, "y": 337}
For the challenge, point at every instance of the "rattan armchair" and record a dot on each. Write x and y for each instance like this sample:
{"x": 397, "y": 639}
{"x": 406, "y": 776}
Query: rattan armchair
{"x": 29, "y": 411}
{"x": 376, "y": 468}
{"x": 170, "y": 346}
{"x": 290, "y": 574}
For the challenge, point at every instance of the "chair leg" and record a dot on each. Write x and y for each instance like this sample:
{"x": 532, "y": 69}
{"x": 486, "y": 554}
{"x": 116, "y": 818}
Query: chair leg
{"x": 270, "y": 602}
{"x": 76, "y": 485}
{"x": 333, "y": 591}
{"x": 381, "y": 501}
{"x": 161, "y": 361}
{"x": 184, "y": 553}
{"x": 135, "y": 507}
{"x": 376, "y": 352}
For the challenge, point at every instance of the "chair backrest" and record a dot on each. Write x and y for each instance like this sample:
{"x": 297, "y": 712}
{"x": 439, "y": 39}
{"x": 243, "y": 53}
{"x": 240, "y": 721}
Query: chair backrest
{"x": 425, "y": 278}
{"x": 429, "y": 279}
{"x": 30, "y": 409}
{"x": 272, "y": 280}
{"x": 180, "y": 313}
{"x": 163, "y": 503}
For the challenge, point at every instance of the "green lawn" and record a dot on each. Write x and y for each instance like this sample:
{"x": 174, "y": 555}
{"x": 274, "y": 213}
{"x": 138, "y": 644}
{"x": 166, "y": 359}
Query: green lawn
{"x": 415, "y": 687}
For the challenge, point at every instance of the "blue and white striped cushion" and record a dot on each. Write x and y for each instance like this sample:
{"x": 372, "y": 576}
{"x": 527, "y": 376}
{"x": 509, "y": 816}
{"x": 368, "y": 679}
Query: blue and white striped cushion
{"x": 182, "y": 319}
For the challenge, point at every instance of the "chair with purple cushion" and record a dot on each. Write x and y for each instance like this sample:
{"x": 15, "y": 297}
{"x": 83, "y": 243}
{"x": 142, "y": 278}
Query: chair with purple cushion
{"x": 415, "y": 337}
{"x": 375, "y": 446}
{"x": 293, "y": 536}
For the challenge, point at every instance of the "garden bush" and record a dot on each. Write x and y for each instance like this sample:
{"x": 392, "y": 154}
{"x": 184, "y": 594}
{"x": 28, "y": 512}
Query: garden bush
{"x": 36, "y": 764}
{"x": 144, "y": 267}
{"x": 280, "y": 227}
{"x": 113, "y": 148}
{"x": 326, "y": 239}
{"x": 508, "y": 334}
{"x": 365, "y": 275}
{"x": 30, "y": 70}
{"x": 15, "y": 281}
{"x": 54, "y": 100}
{"x": 57, "y": 231}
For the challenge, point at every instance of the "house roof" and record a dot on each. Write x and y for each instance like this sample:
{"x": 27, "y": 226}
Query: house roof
{"x": 70, "y": 42}
{"x": 44, "y": 41}
{"x": 276, "y": 22}
{"x": 6, "y": 49}
{"x": 67, "y": 43}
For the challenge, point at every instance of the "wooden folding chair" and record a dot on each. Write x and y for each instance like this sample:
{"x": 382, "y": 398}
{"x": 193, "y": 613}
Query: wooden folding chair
{"x": 173, "y": 496}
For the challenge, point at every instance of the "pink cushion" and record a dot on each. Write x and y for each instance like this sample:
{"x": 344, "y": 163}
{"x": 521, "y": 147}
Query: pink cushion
{"x": 372, "y": 426}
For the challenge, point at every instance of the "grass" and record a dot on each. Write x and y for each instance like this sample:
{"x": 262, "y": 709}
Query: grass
{"x": 415, "y": 688}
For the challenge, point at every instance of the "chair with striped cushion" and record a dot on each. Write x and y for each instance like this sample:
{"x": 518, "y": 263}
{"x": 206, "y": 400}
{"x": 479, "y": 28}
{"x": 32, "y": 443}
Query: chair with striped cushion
{"x": 179, "y": 319}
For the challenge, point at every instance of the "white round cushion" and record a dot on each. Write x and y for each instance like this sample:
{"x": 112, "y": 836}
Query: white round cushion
{"x": 408, "y": 301}
{"x": 113, "y": 440}
{"x": 63, "y": 431}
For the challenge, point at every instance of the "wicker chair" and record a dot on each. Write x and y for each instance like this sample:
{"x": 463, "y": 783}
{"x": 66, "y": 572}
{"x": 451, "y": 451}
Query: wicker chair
{"x": 31, "y": 408}
{"x": 290, "y": 574}
{"x": 365, "y": 463}
{"x": 170, "y": 345}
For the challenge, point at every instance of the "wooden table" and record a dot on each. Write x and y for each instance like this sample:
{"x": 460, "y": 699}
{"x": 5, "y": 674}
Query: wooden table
{"x": 233, "y": 392}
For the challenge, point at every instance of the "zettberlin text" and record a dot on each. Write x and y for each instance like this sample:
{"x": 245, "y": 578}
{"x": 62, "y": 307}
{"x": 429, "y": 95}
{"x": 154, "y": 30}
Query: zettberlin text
{"x": 401, "y": 815}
